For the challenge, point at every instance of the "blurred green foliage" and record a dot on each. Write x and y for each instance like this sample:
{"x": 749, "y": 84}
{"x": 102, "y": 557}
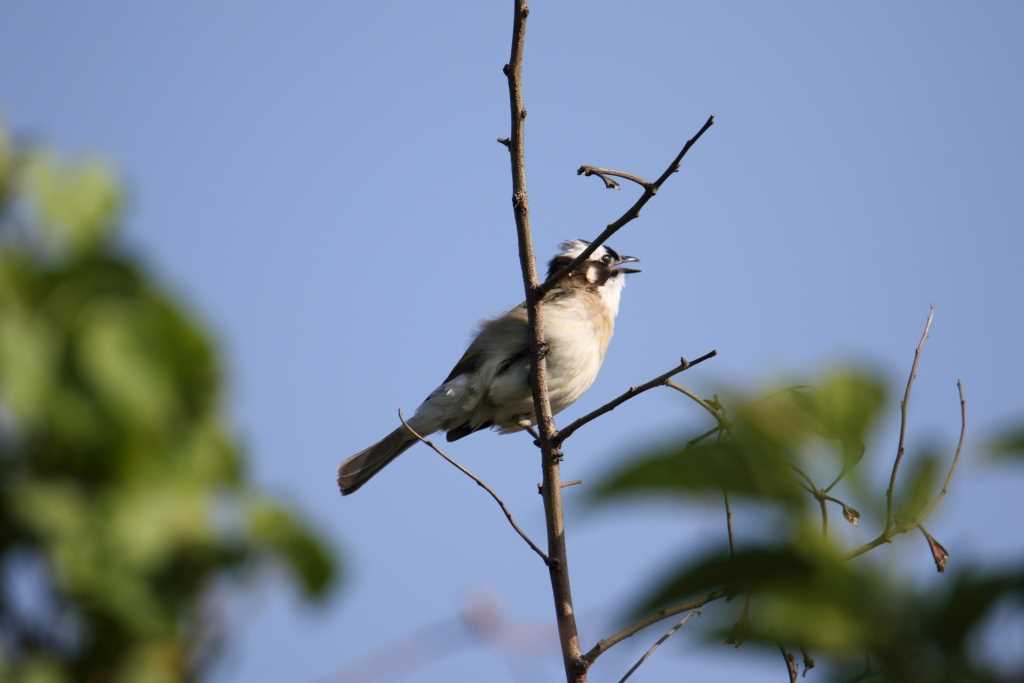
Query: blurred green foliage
{"x": 124, "y": 501}
{"x": 751, "y": 456}
{"x": 1010, "y": 444}
{"x": 797, "y": 586}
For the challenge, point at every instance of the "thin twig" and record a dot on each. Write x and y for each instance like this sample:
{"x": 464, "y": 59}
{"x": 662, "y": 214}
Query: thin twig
{"x": 702, "y": 436}
{"x": 821, "y": 495}
{"x": 808, "y": 485}
{"x": 824, "y": 516}
{"x": 658, "y": 381}
{"x": 903, "y": 420}
{"x": 881, "y": 539}
{"x": 715, "y": 413}
{"x": 839, "y": 478}
{"x": 607, "y": 643}
{"x": 956, "y": 454}
{"x": 791, "y": 667}
{"x": 808, "y": 661}
{"x": 728, "y": 522}
{"x": 479, "y": 482}
{"x": 565, "y": 485}
{"x": 892, "y": 526}
{"x": 558, "y": 566}
{"x": 668, "y": 634}
{"x": 631, "y": 213}
{"x": 803, "y": 475}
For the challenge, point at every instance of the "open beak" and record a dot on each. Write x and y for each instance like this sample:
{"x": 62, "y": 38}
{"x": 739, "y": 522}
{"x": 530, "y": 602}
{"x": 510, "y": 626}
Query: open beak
{"x": 626, "y": 259}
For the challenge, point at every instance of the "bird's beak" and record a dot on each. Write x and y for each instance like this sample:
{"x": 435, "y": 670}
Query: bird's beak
{"x": 626, "y": 259}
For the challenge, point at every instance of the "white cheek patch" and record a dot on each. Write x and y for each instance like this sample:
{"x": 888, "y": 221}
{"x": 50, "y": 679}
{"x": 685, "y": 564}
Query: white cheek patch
{"x": 592, "y": 274}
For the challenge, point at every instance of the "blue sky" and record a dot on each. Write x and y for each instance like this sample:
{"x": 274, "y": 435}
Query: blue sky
{"x": 321, "y": 182}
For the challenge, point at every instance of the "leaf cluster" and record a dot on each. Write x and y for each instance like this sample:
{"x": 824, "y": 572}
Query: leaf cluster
{"x": 124, "y": 500}
{"x": 796, "y": 585}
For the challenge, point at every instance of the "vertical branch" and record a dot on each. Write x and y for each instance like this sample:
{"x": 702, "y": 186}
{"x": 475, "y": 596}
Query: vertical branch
{"x": 558, "y": 566}
{"x": 668, "y": 634}
{"x": 824, "y": 516}
{"x": 728, "y": 521}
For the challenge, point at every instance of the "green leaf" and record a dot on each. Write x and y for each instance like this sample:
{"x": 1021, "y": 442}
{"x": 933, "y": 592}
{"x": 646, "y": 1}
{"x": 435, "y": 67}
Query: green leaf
{"x": 40, "y": 670}
{"x": 1010, "y": 443}
{"x": 122, "y": 368}
{"x": 123, "y": 481}
{"x": 966, "y": 605}
{"x": 738, "y": 464}
{"x": 284, "y": 537}
{"x": 156, "y": 517}
{"x": 156, "y": 661}
{"x": 750, "y": 568}
{"x": 77, "y": 205}
{"x": 767, "y": 434}
{"x": 28, "y": 363}
{"x": 208, "y": 456}
{"x": 848, "y": 404}
{"x": 820, "y": 620}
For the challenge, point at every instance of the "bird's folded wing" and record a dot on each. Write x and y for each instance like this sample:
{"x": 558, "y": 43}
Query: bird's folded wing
{"x": 502, "y": 340}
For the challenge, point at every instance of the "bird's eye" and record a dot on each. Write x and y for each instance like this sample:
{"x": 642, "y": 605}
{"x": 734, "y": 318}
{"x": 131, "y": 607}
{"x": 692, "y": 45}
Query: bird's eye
{"x": 607, "y": 258}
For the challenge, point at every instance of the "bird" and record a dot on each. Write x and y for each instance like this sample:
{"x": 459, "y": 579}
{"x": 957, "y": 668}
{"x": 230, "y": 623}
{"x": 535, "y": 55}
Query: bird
{"x": 489, "y": 387}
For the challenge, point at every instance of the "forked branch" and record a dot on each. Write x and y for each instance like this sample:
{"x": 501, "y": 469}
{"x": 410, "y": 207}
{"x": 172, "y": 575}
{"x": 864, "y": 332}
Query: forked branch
{"x": 606, "y": 644}
{"x": 668, "y": 634}
{"x": 893, "y": 526}
{"x": 650, "y": 189}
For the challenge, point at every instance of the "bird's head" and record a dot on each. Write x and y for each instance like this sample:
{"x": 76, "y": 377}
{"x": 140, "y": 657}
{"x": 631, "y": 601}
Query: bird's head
{"x": 605, "y": 270}
{"x": 603, "y": 265}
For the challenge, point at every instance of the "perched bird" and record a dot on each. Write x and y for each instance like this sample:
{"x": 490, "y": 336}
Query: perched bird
{"x": 490, "y": 385}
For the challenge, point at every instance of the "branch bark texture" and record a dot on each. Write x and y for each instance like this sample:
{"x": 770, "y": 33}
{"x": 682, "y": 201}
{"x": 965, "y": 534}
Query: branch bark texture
{"x": 558, "y": 565}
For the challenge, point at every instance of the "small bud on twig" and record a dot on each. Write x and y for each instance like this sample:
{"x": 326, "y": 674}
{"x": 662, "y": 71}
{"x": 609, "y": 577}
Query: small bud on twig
{"x": 808, "y": 662}
{"x": 852, "y": 516}
{"x": 939, "y": 553}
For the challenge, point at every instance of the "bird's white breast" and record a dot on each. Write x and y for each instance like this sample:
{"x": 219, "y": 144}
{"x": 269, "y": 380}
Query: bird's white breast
{"x": 578, "y": 331}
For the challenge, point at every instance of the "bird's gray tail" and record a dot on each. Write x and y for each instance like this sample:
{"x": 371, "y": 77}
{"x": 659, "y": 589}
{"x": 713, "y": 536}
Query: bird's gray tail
{"x": 359, "y": 468}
